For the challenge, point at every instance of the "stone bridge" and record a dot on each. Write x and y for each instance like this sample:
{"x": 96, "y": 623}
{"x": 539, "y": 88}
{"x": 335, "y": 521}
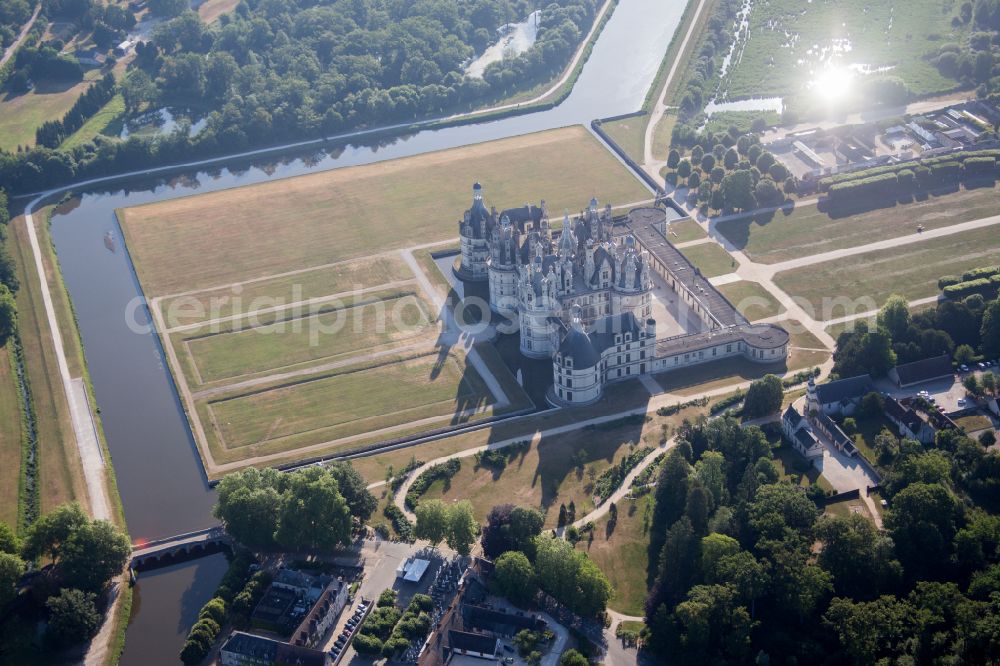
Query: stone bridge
{"x": 163, "y": 552}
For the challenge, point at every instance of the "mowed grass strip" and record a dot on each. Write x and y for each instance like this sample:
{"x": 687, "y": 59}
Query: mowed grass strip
{"x": 555, "y": 470}
{"x": 246, "y": 232}
{"x": 629, "y": 134}
{"x": 710, "y": 259}
{"x": 248, "y": 296}
{"x": 60, "y": 475}
{"x": 864, "y": 281}
{"x": 684, "y": 231}
{"x": 622, "y": 553}
{"x": 369, "y": 326}
{"x": 351, "y": 401}
{"x": 751, "y": 299}
{"x": 806, "y": 230}
{"x": 10, "y": 439}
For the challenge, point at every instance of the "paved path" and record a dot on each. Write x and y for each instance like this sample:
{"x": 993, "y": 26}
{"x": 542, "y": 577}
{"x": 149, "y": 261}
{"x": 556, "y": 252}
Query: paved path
{"x": 12, "y": 49}
{"x": 626, "y": 486}
{"x": 649, "y": 163}
{"x": 84, "y": 426}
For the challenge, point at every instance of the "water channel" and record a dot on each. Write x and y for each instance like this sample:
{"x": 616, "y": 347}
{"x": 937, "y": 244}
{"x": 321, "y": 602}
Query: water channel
{"x": 162, "y": 485}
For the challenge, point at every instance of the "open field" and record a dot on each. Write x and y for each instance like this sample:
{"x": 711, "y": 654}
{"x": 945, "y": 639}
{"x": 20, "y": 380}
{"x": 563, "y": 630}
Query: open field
{"x": 346, "y": 402}
{"x": 710, "y": 259}
{"x": 622, "y": 554}
{"x": 686, "y": 230}
{"x": 751, "y": 299}
{"x": 629, "y": 133}
{"x": 10, "y": 439}
{"x": 21, "y": 115}
{"x": 246, "y": 232}
{"x": 366, "y": 324}
{"x": 271, "y": 291}
{"x": 805, "y": 230}
{"x": 210, "y": 10}
{"x": 789, "y": 42}
{"x": 555, "y": 470}
{"x": 911, "y": 270}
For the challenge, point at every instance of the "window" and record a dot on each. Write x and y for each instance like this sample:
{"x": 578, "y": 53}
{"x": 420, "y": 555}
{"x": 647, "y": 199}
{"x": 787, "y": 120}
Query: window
{"x": 729, "y": 348}
{"x": 714, "y": 350}
{"x": 527, "y": 343}
{"x": 569, "y": 396}
{"x": 569, "y": 382}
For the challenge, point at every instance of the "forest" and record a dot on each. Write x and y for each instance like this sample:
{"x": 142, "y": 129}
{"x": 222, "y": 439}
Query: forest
{"x": 747, "y": 569}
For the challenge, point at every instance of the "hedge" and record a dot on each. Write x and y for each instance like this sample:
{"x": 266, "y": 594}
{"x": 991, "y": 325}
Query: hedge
{"x": 948, "y": 280}
{"x": 864, "y": 186}
{"x": 975, "y": 161}
{"x": 980, "y": 164}
{"x": 445, "y": 470}
{"x": 981, "y": 272}
{"x": 985, "y": 286}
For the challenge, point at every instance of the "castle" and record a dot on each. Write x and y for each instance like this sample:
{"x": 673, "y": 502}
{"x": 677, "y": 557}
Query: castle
{"x": 583, "y": 295}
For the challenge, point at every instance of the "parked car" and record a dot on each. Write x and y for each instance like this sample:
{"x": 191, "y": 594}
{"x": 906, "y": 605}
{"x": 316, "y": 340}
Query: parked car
{"x": 963, "y": 368}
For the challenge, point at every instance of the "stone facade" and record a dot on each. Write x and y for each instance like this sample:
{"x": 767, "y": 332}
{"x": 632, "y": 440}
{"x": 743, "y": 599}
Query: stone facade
{"x": 582, "y": 295}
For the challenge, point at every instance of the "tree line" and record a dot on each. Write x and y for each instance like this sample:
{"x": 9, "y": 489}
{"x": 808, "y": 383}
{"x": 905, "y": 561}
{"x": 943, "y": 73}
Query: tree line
{"x": 279, "y": 71}
{"x": 53, "y": 132}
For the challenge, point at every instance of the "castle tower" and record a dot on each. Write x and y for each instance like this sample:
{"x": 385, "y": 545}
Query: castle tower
{"x": 475, "y": 231}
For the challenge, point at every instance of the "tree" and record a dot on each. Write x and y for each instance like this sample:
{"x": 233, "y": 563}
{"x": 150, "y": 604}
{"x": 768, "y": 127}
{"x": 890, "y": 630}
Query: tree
{"x": 684, "y": 168}
{"x": 515, "y": 578}
{"x": 354, "y": 488}
{"x": 678, "y": 566}
{"x": 763, "y": 397}
{"x": 313, "y": 514}
{"x": 73, "y": 616}
{"x": 964, "y": 354}
{"x": 9, "y": 542}
{"x": 462, "y": 527}
{"x": 714, "y": 547}
{"x": 990, "y": 331}
{"x": 859, "y": 557}
{"x": 989, "y": 381}
{"x": 872, "y": 404}
{"x": 570, "y": 576}
{"x": 764, "y": 161}
{"x": 731, "y": 159}
{"x": 712, "y": 623}
{"x": 248, "y": 505}
{"x": 673, "y": 158}
{"x": 708, "y": 163}
{"x": 8, "y": 314}
{"x": 11, "y": 570}
{"x": 48, "y": 534}
{"x": 778, "y": 507}
{"x": 972, "y": 385}
{"x": 95, "y": 553}
{"x": 694, "y": 180}
{"x": 511, "y": 528}
{"x": 921, "y": 522}
{"x": 869, "y": 630}
{"x": 894, "y": 316}
{"x": 432, "y": 521}
{"x": 573, "y": 658}
{"x": 737, "y": 190}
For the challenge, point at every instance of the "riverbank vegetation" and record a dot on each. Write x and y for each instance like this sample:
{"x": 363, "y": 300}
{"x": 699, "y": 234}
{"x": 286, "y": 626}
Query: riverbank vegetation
{"x": 71, "y": 596}
{"x": 269, "y": 73}
{"x": 742, "y": 565}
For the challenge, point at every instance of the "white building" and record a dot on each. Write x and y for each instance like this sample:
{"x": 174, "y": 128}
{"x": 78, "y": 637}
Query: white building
{"x": 582, "y": 295}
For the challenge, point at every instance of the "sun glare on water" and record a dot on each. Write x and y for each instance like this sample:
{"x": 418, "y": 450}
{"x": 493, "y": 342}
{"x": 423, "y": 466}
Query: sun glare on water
{"x": 833, "y": 84}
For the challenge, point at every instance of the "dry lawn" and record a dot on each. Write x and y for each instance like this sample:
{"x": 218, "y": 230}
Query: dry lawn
{"x": 242, "y": 233}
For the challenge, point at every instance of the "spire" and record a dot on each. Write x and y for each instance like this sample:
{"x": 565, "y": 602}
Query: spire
{"x": 477, "y": 192}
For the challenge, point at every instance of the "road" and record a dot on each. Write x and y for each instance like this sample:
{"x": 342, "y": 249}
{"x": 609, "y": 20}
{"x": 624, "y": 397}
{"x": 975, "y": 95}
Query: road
{"x": 12, "y": 49}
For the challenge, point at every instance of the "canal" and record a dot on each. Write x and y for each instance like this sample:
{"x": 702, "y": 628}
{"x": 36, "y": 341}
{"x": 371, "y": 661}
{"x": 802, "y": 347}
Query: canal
{"x": 162, "y": 485}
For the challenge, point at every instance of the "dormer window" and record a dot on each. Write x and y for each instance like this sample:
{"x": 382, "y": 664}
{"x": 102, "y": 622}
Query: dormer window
{"x": 618, "y": 338}
{"x": 569, "y": 362}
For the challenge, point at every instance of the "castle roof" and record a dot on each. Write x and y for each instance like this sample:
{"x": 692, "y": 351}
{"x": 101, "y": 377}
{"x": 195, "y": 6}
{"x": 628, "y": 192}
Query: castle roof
{"x": 577, "y": 346}
{"x": 604, "y": 330}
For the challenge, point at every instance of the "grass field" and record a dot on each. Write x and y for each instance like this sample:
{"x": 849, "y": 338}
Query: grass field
{"x": 793, "y": 466}
{"x": 789, "y": 41}
{"x": 686, "y": 230}
{"x": 254, "y": 231}
{"x": 21, "y": 115}
{"x": 210, "y": 10}
{"x": 347, "y": 402}
{"x": 622, "y": 554}
{"x": 554, "y": 471}
{"x": 710, "y": 259}
{"x": 301, "y": 285}
{"x": 910, "y": 270}
{"x": 60, "y": 475}
{"x": 108, "y": 121}
{"x": 974, "y": 422}
{"x": 845, "y": 508}
{"x": 292, "y": 339}
{"x": 10, "y": 439}
{"x": 630, "y": 134}
{"x": 751, "y": 299}
{"x": 806, "y": 230}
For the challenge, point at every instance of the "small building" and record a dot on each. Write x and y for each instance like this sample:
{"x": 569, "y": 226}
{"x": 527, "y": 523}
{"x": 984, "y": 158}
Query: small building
{"x": 797, "y": 432}
{"x": 908, "y": 422}
{"x": 835, "y": 434}
{"x": 242, "y": 649}
{"x": 412, "y": 570}
{"x": 919, "y": 372}
{"x": 839, "y": 397}
{"x": 124, "y": 48}
{"x": 474, "y": 645}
